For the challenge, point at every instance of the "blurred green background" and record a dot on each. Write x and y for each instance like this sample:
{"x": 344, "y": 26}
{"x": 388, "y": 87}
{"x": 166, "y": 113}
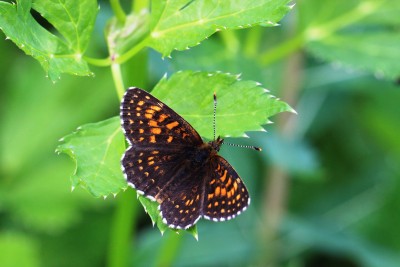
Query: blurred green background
{"x": 325, "y": 189}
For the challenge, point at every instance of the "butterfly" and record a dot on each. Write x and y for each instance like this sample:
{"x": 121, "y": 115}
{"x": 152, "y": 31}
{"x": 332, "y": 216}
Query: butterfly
{"x": 167, "y": 161}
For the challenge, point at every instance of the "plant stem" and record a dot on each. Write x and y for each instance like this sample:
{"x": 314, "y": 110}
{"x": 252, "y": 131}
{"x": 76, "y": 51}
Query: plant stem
{"x": 105, "y": 62}
{"x": 121, "y": 231}
{"x": 118, "y": 11}
{"x": 169, "y": 249}
{"x": 133, "y": 51}
{"x": 118, "y": 81}
{"x": 137, "y": 6}
{"x": 284, "y": 49}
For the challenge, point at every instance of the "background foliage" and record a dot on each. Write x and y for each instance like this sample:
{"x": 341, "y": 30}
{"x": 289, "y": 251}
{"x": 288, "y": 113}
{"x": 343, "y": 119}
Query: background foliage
{"x": 325, "y": 189}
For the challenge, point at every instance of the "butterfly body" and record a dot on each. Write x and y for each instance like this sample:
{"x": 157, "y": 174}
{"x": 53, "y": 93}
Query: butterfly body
{"x": 168, "y": 162}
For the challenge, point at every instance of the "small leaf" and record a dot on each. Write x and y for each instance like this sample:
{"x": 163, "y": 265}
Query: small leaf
{"x": 182, "y": 24}
{"x": 96, "y": 149}
{"x": 241, "y": 105}
{"x": 73, "y": 19}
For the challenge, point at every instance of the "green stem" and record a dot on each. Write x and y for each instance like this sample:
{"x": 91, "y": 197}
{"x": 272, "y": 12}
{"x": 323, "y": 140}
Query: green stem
{"x": 133, "y": 51}
{"x": 137, "y": 6}
{"x": 118, "y": 11}
{"x": 120, "y": 247}
{"x": 169, "y": 250}
{"x": 282, "y": 50}
{"x": 118, "y": 81}
{"x": 104, "y": 62}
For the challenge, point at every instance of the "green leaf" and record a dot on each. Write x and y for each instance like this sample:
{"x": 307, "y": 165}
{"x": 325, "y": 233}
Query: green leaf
{"x": 357, "y": 34}
{"x": 177, "y": 25}
{"x": 241, "y": 105}
{"x": 74, "y": 20}
{"x": 96, "y": 149}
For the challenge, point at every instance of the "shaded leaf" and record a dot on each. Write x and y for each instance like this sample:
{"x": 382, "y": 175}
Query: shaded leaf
{"x": 357, "y": 34}
{"x": 96, "y": 149}
{"x": 73, "y": 19}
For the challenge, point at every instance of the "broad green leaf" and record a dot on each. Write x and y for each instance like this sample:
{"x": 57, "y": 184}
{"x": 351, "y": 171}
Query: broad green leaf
{"x": 177, "y": 25}
{"x": 74, "y": 20}
{"x": 357, "y": 34}
{"x": 96, "y": 149}
{"x": 241, "y": 105}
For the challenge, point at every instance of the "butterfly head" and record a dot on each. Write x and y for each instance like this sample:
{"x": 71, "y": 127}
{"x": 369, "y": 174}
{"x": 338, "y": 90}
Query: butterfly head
{"x": 216, "y": 144}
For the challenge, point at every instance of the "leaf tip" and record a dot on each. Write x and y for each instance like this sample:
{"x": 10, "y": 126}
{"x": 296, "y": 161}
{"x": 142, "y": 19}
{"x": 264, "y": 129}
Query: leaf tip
{"x": 72, "y": 188}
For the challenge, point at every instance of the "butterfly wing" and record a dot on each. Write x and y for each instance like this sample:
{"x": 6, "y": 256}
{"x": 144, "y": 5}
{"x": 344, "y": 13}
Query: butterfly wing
{"x": 225, "y": 194}
{"x": 146, "y": 121}
{"x": 158, "y": 162}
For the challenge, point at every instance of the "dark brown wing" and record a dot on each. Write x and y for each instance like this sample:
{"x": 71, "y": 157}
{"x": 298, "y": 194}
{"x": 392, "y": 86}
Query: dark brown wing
{"x": 173, "y": 179}
{"x": 159, "y": 161}
{"x": 225, "y": 194}
{"x": 146, "y": 121}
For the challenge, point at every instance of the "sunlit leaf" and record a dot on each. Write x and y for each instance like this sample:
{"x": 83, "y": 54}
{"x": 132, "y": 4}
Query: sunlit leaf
{"x": 177, "y": 25}
{"x": 241, "y": 105}
{"x": 74, "y": 20}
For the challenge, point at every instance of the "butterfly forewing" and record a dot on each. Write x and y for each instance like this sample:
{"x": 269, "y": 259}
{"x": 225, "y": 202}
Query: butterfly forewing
{"x": 148, "y": 121}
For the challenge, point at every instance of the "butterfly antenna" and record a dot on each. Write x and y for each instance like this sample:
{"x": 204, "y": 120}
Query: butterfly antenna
{"x": 244, "y": 146}
{"x": 214, "y": 126}
{"x": 215, "y": 111}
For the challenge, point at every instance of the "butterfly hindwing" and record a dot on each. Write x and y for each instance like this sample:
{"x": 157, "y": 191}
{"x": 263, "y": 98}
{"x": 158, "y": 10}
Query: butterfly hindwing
{"x": 225, "y": 194}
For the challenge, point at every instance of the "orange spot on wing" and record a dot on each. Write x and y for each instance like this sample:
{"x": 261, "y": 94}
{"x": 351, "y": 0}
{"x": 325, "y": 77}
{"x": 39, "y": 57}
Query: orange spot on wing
{"x": 156, "y": 108}
{"x": 155, "y": 130}
{"x": 162, "y": 117}
{"x": 217, "y": 191}
{"x": 223, "y": 192}
{"x": 172, "y": 125}
{"x": 223, "y": 177}
{"x": 152, "y": 139}
{"x": 170, "y": 138}
{"x": 140, "y": 103}
{"x": 148, "y": 115}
